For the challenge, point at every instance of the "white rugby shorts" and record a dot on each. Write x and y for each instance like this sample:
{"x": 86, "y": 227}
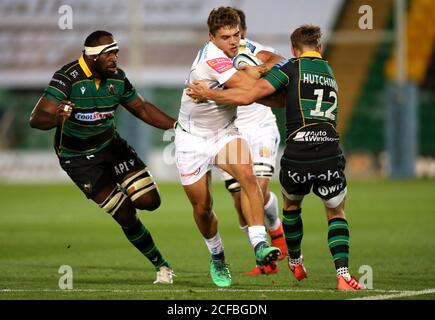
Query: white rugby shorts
{"x": 264, "y": 143}
{"x": 194, "y": 155}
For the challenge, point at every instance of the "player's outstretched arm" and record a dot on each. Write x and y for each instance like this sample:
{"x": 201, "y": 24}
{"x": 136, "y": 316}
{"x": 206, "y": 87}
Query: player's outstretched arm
{"x": 150, "y": 114}
{"x": 199, "y": 91}
{"x": 270, "y": 59}
{"x": 48, "y": 114}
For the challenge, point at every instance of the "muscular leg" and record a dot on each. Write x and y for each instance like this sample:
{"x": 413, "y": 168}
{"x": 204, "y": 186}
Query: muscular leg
{"x": 338, "y": 236}
{"x": 293, "y": 227}
{"x": 264, "y": 186}
{"x": 251, "y": 196}
{"x": 235, "y": 159}
{"x": 271, "y": 218}
{"x": 200, "y": 197}
{"x": 142, "y": 190}
{"x": 125, "y": 215}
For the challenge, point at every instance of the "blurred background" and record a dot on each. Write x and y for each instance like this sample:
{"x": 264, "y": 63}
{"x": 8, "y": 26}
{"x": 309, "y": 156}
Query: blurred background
{"x": 382, "y": 53}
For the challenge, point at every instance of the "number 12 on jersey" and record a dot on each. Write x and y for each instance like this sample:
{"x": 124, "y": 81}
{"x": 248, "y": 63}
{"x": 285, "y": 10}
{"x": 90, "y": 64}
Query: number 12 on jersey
{"x": 329, "y": 113}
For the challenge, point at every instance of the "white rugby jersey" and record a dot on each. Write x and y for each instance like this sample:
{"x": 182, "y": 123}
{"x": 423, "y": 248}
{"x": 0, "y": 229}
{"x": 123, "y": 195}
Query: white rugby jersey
{"x": 214, "y": 67}
{"x": 254, "y": 114}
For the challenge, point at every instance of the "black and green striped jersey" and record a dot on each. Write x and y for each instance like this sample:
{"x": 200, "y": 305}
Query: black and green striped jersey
{"x": 311, "y": 106}
{"x": 91, "y": 125}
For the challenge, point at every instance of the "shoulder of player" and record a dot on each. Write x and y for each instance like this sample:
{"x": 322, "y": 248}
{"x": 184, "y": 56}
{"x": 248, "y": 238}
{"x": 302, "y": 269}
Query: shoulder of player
{"x": 121, "y": 75}
{"x": 210, "y": 51}
{"x": 64, "y": 72}
{"x": 215, "y": 56}
{"x": 72, "y": 71}
{"x": 249, "y": 46}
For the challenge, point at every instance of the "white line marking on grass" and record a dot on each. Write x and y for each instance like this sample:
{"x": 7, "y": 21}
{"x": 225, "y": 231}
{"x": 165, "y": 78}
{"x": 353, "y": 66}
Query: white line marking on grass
{"x": 402, "y": 294}
{"x": 396, "y": 292}
{"x": 165, "y": 290}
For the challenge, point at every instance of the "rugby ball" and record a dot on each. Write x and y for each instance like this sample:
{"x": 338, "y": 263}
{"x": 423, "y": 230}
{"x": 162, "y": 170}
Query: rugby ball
{"x": 244, "y": 59}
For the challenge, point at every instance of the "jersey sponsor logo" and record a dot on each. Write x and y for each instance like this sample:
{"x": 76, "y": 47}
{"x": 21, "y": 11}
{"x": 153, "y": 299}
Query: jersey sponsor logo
{"x": 90, "y": 117}
{"x": 74, "y": 74}
{"x": 313, "y": 136}
{"x": 59, "y": 82}
{"x": 303, "y": 178}
{"x": 220, "y": 65}
{"x": 195, "y": 173}
{"x": 123, "y": 167}
{"x": 325, "y": 190}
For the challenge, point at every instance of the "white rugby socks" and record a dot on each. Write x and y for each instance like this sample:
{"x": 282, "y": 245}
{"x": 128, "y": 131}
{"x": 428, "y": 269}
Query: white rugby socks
{"x": 271, "y": 219}
{"x": 257, "y": 234}
{"x": 214, "y": 244}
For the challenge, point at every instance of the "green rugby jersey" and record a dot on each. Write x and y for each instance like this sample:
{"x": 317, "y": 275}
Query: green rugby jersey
{"x": 311, "y": 106}
{"x": 91, "y": 125}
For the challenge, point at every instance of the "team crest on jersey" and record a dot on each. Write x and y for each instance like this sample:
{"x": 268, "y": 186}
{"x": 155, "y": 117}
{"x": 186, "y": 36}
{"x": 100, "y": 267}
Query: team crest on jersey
{"x": 111, "y": 88}
{"x": 220, "y": 64}
{"x": 250, "y": 46}
{"x": 265, "y": 152}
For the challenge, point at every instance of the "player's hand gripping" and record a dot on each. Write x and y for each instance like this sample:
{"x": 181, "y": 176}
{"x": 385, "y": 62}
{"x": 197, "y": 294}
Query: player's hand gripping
{"x": 64, "y": 110}
{"x": 255, "y": 71}
{"x": 197, "y": 91}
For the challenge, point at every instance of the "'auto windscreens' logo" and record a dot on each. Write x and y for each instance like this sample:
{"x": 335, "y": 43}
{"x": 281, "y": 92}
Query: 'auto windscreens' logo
{"x": 314, "y": 136}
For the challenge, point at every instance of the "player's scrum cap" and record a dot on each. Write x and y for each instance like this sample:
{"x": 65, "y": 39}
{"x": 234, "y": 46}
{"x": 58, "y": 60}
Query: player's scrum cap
{"x": 90, "y": 51}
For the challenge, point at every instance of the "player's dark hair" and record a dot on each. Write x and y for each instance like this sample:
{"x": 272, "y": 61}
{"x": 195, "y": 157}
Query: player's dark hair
{"x": 307, "y": 35}
{"x": 222, "y": 17}
{"x": 94, "y": 38}
{"x": 242, "y": 18}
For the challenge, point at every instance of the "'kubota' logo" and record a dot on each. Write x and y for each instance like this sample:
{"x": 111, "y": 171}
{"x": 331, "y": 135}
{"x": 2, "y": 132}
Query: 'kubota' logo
{"x": 327, "y": 176}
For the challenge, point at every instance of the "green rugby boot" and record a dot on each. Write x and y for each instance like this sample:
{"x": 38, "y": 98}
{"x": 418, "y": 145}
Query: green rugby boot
{"x": 220, "y": 274}
{"x": 265, "y": 253}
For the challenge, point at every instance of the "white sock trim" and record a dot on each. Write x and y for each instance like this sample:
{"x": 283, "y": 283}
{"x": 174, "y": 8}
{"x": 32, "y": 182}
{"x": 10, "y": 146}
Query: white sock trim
{"x": 271, "y": 218}
{"x": 294, "y": 262}
{"x": 344, "y": 272}
{"x": 214, "y": 244}
{"x": 257, "y": 234}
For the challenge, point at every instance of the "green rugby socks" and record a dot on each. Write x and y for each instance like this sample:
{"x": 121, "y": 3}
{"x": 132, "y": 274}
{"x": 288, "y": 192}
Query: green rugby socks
{"x": 141, "y": 238}
{"x": 293, "y": 231}
{"x": 338, "y": 241}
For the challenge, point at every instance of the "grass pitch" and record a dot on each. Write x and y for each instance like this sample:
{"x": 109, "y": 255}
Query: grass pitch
{"x": 43, "y": 227}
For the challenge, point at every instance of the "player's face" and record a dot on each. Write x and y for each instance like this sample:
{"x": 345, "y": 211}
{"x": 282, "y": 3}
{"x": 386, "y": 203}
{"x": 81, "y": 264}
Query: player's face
{"x": 107, "y": 63}
{"x": 227, "y": 39}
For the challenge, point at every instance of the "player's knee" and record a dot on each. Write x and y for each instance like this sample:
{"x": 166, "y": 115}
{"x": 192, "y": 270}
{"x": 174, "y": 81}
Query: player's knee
{"x": 232, "y": 185}
{"x": 114, "y": 201}
{"x": 150, "y": 201}
{"x": 142, "y": 190}
{"x": 248, "y": 180}
{"x": 202, "y": 210}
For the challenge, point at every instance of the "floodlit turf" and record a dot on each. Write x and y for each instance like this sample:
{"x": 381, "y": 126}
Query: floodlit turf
{"x": 43, "y": 227}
